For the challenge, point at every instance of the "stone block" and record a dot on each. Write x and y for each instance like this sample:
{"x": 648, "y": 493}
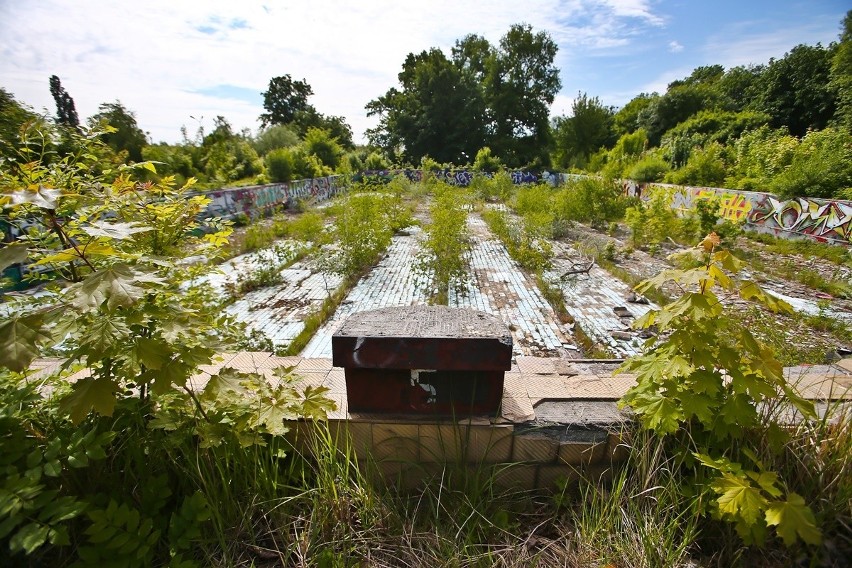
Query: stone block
{"x": 398, "y": 442}
{"x": 531, "y": 447}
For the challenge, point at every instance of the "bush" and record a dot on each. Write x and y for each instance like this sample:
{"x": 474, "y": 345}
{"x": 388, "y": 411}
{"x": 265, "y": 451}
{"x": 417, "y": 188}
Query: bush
{"x": 821, "y": 166}
{"x": 705, "y": 167}
{"x": 485, "y": 162}
{"x": 590, "y": 200}
{"x": 446, "y": 243}
{"x": 279, "y": 165}
{"x": 651, "y": 168}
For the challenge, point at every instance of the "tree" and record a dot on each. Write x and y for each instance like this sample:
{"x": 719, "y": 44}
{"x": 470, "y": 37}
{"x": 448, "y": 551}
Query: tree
{"x": 275, "y": 137}
{"x": 739, "y": 85}
{"x": 795, "y": 90}
{"x": 841, "y": 75}
{"x": 678, "y": 104}
{"x": 520, "y": 86}
{"x": 127, "y": 136}
{"x": 626, "y": 120}
{"x": 283, "y": 99}
{"x": 309, "y": 118}
{"x": 320, "y": 143}
{"x": 437, "y": 113}
{"x": 13, "y": 116}
{"x": 484, "y": 96}
{"x": 588, "y": 129}
{"x": 66, "y": 113}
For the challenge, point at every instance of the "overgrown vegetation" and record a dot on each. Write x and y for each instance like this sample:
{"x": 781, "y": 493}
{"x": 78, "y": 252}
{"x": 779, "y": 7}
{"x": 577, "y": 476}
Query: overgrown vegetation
{"x": 447, "y": 243}
{"x": 704, "y": 385}
{"x": 108, "y": 255}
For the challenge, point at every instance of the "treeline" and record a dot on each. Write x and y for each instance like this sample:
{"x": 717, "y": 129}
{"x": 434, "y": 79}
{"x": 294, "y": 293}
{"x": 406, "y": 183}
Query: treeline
{"x": 295, "y": 140}
{"x": 783, "y": 126}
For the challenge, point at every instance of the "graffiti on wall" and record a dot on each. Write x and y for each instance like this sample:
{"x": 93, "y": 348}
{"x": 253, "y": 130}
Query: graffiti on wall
{"x": 462, "y": 178}
{"x": 818, "y": 219}
{"x": 258, "y": 200}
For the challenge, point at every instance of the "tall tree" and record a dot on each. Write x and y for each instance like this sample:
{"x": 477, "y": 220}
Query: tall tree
{"x": 283, "y": 99}
{"x": 795, "y": 90}
{"x": 127, "y": 136}
{"x": 589, "y": 127}
{"x": 437, "y": 113}
{"x": 499, "y": 97}
{"x": 520, "y": 86}
{"x": 66, "y": 113}
{"x": 13, "y": 115}
{"x": 841, "y": 74}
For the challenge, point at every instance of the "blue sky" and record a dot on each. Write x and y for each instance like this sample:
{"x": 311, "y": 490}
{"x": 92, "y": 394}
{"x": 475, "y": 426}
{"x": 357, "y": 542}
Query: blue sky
{"x": 182, "y": 62}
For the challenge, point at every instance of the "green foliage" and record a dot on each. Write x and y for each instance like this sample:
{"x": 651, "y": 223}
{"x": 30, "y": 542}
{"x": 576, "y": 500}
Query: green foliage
{"x": 279, "y": 165}
{"x": 283, "y": 99}
{"x": 114, "y": 301}
{"x": 362, "y": 231}
{"x": 703, "y": 386}
{"x": 650, "y": 168}
{"x": 447, "y": 242}
{"x": 821, "y": 166}
{"x": 627, "y": 151}
{"x": 758, "y": 156}
{"x": 320, "y": 143}
{"x": 532, "y": 252}
{"x": 275, "y": 137}
{"x": 125, "y": 134}
{"x": 483, "y": 96}
{"x": 485, "y": 162}
{"x": 589, "y": 128}
{"x": 705, "y": 167}
{"x": 796, "y": 90}
{"x": 66, "y": 113}
{"x": 590, "y": 200}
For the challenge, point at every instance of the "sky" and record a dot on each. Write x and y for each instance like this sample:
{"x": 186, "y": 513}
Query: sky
{"x": 184, "y": 62}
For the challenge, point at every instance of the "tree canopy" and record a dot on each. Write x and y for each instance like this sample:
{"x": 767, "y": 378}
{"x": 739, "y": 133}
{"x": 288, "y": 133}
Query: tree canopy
{"x": 448, "y": 108}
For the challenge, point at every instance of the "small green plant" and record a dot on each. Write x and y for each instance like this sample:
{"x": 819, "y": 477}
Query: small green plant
{"x": 703, "y": 386}
{"x": 446, "y": 244}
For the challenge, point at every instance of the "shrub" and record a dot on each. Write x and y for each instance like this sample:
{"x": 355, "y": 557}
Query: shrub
{"x": 705, "y": 167}
{"x": 590, "y": 200}
{"x": 485, "y": 162}
{"x": 279, "y": 165}
{"x": 651, "y": 168}
{"x": 446, "y": 242}
{"x": 821, "y": 166}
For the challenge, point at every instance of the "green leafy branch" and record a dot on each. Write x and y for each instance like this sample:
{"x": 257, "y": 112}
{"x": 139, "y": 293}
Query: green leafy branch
{"x": 704, "y": 385}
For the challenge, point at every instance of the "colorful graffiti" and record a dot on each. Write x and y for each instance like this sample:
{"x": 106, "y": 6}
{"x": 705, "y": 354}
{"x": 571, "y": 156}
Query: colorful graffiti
{"x": 459, "y": 178}
{"x": 822, "y": 220}
{"x": 258, "y": 200}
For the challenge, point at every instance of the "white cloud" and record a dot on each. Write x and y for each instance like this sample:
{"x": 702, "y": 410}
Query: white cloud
{"x": 675, "y": 47}
{"x": 756, "y": 42}
{"x": 158, "y": 57}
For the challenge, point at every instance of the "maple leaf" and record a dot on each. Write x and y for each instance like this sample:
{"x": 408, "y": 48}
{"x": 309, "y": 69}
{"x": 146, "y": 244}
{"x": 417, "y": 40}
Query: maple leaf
{"x": 88, "y": 394}
{"x": 699, "y": 405}
{"x": 659, "y": 412}
{"x": 116, "y": 284}
{"x": 738, "y": 497}
{"x": 20, "y": 338}
{"x": 225, "y": 381}
{"x": 71, "y": 254}
{"x": 793, "y": 517}
{"x": 12, "y": 254}
{"x": 151, "y": 352}
{"x": 118, "y": 231}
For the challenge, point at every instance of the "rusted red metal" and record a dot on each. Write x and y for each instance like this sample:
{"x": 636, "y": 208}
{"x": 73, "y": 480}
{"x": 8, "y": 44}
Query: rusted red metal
{"x": 423, "y": 360}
